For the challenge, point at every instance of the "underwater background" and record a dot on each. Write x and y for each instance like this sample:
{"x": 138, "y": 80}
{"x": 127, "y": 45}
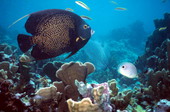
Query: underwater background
{"x": 135, "y": 31}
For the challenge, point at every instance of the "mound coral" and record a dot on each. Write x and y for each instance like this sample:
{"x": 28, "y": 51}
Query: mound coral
{"x": 47, "y": 98}
{"x": 68, "y": 73}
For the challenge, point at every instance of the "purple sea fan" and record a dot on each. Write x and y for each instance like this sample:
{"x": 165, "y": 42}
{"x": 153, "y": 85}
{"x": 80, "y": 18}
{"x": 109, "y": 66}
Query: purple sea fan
{"x": 84, "y": 89}
{"x": 98, "y": 93}
{"x": 105, "y": 97}
{"x": 99, "y": 54}
{"x": 106, "y": 88}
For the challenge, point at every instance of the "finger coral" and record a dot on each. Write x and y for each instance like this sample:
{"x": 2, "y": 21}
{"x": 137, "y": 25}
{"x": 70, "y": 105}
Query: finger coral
{"x": 47, "y": 98}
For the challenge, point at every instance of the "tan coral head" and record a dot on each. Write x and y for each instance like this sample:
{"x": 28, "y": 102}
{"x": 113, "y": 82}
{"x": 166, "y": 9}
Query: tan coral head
{"x": 85, "y": 105}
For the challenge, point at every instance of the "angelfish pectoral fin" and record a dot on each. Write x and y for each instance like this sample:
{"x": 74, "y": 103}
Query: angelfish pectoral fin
{"x": 82, "y": 38}
{"x": 78, "y": 38}
{"x": 72, "y": 53}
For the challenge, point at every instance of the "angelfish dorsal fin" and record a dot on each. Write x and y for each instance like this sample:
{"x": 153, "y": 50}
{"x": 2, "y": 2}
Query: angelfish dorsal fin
{"x": 78, "y": 38}
{"x": 18, "y": 20}
{"x": 82, "y": 38}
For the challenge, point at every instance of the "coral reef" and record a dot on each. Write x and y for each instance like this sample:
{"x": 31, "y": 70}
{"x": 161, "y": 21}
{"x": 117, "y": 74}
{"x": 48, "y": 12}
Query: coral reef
{"x": 113, "y": 86}
{"x": 153, "y": 65}
{"x": 85, "y": 105}
{"x": 10, "y": 102}
{"x": 120, "y": 99}
{"x": 8, "y": 53}
{"x": 68, "y": 73}
{"x": 17, "y": 81}
{"x": 142, "y": 98}
{"x": 54, "y": 86}
{"x": 162, "y": 106}
{"x": 47, "y": 98}
{"x": 22, "y": 79}
{"x": 8, "y": 69}
{"x": 105, "y": 93}
{"x": 98, "y": 93}
{"x": 50, "y": 69}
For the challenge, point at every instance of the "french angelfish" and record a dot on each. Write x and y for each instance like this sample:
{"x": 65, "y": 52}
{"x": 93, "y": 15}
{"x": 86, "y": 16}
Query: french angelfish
{"x": 54, "y": 32}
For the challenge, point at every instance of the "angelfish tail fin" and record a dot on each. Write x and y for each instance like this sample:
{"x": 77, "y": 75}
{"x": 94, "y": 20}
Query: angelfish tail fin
{"x": 24, "y": 42}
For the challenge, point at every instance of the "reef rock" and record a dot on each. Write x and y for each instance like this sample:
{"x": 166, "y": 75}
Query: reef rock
{"x": 154, "y": 64}
{"x": 50, "y": 69}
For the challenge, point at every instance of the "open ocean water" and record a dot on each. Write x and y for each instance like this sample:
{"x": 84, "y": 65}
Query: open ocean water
{"x": 90, "y": 56}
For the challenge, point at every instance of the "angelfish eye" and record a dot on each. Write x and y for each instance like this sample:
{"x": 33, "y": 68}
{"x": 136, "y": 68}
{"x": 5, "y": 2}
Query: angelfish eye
{"x": 123, "y": 66}
{"x": 85, "y": 26}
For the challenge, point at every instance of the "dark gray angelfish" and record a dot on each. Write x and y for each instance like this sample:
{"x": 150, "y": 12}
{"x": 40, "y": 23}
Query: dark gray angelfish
{"x": 54, "y": 32}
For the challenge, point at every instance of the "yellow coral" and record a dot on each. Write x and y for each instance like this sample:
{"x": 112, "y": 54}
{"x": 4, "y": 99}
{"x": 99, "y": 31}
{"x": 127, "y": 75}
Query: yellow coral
{"x": 97, "y": 93}
{"x": 85, "y": 105}
{"x": 46, "y": 94}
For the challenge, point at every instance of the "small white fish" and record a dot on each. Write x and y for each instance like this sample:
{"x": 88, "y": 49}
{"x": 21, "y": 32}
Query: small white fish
{"x": 114, "y": 2}
{"x": 128, "y": 69}
{"x": 85, "y": 17}
{"x": 82, "y": 4}
{"x": 120, "y": 8}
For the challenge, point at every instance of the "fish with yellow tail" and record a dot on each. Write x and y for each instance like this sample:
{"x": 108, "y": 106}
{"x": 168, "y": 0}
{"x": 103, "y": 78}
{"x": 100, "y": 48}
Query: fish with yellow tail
{"x": 80, "y": 3}
{"x": 54, "y": 32}
{"x": 162, "y": 28}
{"x": 120, "y": 8}
{"x": 128, "y": 69}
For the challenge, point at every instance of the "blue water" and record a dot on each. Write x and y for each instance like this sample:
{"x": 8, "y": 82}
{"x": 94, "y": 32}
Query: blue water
{"x": 105, "y": 20}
